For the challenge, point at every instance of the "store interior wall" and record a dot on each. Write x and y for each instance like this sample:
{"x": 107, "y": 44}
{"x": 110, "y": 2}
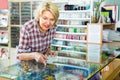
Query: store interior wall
{"x": 3, "y": 4}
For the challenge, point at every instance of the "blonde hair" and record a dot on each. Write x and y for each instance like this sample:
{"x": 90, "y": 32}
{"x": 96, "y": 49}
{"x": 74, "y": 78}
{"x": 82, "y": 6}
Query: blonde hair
{"x": 49, "y": 6}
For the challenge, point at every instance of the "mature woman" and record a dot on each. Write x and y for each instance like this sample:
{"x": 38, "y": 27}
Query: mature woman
{"x": 36, "y": 35}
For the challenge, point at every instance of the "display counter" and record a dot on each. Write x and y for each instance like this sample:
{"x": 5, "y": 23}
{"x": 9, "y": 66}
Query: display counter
{"x": 111, "y": 71}
{"x": 54, "y": 71}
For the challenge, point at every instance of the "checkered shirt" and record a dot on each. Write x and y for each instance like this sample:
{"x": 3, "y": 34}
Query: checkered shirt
{"x": 33, "y": 40}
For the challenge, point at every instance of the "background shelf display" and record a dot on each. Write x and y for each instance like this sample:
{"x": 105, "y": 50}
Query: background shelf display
{"x": 25, "y": 12}
{"x": 70, "y": 41}
{"x": 14, "y": 15}
{"x": 34, "y": 5}
{"x": 4, "y": 34}
{"x": 15, "y": 33}
{"x": 72, "y": 27}
{"x": 3, "y": 37}
{"x": 4, "y": 53}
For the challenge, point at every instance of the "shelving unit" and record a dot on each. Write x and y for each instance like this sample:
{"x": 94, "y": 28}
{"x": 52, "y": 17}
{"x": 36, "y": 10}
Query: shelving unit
{"x": 20, "y": 12}
{"x": 70, "y": 39}
{"x": 4, "y": 34}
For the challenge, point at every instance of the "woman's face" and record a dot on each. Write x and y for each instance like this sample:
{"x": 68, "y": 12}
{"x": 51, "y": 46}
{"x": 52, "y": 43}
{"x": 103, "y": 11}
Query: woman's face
{"x": 47, "y": 20}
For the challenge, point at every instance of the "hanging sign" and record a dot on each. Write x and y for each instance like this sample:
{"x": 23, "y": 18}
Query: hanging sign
{"x": 94, "y": 53}
{"x": 94, "y": 42}
{"x": 94, "y": 33}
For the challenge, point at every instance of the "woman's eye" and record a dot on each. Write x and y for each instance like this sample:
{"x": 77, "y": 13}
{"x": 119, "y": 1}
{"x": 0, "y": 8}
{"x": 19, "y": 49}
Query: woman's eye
{"x": 52, "y": 19}
{"x": 45, "y": 18}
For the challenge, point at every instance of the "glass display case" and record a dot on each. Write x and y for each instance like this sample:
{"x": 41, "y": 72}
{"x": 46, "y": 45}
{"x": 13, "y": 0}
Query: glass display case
{"x": 78, "y": 71}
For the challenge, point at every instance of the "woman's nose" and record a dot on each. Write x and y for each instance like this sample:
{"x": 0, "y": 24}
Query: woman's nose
{"x": 48, "y": 22}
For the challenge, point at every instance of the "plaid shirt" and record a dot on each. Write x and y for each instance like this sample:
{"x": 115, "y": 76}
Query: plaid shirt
{"x": 33, "y": 40}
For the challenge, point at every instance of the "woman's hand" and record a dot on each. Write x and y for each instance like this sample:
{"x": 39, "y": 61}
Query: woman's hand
{"x": 39, "y": 57}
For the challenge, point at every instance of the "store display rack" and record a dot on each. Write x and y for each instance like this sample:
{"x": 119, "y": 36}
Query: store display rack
{"x": 4, "y": 34}
{"x": 70, "y": 39}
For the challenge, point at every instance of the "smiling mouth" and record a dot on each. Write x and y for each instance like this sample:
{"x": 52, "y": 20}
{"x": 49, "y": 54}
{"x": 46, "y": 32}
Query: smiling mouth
{"x": 46, "y": 26}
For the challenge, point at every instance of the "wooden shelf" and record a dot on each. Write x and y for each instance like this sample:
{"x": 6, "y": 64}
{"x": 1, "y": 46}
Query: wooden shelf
{"x": 4, "y": 78}
{"x": 109, "y": 26}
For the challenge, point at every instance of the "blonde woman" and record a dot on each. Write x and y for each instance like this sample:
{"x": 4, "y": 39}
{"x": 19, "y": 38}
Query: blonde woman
{"x": 36, "y": 35}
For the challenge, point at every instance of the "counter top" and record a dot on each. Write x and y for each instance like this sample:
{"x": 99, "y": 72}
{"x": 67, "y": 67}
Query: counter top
{"x": 81, "y": 70}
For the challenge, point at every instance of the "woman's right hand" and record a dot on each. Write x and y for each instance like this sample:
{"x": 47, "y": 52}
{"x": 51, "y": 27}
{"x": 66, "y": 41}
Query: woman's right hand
{"x": 39, "y": 57}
